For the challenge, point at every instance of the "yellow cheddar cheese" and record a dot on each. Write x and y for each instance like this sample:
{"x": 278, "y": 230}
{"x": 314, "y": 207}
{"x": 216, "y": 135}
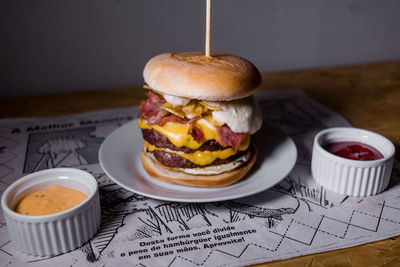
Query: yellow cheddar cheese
{"x": 177, "y": 133}
{"x": 201, "y": 158}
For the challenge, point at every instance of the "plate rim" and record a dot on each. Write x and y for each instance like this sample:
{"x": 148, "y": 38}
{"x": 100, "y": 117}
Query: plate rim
{"x": 173, "y": 199}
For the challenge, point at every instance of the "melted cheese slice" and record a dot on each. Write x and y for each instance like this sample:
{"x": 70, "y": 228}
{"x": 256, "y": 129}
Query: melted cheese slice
{"x": 201, "y": 158}
{"x": 177, "y": 133}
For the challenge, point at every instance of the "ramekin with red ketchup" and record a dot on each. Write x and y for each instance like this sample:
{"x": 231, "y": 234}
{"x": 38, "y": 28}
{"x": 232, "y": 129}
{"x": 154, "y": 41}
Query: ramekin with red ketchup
{"x": 352, "y": 161}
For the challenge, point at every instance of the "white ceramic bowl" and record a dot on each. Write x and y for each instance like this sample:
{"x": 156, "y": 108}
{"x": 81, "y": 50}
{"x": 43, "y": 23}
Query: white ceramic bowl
{"x": 53, "y": 234}
{"x": 347, "y": 176}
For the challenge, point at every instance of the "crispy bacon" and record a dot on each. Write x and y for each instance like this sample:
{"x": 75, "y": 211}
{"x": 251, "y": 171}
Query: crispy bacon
{"x": 155, "y": 117}
{"x": 154, "y": 98}
{"x": 192, "y": 120}
{"x": 196, "y": 133}
{"x": 172, "y": 118}
{"x": 150, "y": 108}
{"x": 150, "y": 111}
{"x": 227, "y": 137}
{"x": 145, "y": 107}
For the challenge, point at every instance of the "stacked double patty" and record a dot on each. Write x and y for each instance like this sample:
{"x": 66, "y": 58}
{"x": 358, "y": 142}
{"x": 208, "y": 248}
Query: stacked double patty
{"x": 175, "y": 161}
{"x": 198, "y": 118}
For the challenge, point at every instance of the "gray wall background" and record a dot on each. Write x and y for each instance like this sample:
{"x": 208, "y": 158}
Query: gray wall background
{"x": 53, "y": 46}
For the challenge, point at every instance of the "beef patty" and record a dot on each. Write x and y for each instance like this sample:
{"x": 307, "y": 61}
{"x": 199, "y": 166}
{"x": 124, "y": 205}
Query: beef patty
{"x": 176, "y": 161}
{"x": 159, "y": 140}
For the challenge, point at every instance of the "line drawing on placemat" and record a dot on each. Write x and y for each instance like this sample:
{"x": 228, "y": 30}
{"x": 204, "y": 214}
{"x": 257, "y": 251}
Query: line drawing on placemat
{"x": 6, "y": 156}
{"x": 295, "y": 214}
{"x": 156, "y": 218}
{"x": 65, "y": 148}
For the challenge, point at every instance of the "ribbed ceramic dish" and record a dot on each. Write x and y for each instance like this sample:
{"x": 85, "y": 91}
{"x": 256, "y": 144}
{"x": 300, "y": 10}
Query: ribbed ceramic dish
{"x": 347, "y": 176}
{"x": 53, "y": 234}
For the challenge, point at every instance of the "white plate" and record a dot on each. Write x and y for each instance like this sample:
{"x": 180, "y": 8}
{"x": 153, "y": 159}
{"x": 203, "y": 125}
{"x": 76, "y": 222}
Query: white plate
{"x": 119, "y": 157}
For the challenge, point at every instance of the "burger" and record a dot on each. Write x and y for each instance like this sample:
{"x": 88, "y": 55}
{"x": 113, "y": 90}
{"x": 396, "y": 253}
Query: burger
{"x": 198, "y": 118}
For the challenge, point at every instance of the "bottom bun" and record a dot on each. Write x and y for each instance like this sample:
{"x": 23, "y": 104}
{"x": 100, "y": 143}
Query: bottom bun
{"x": 158, "y": 171}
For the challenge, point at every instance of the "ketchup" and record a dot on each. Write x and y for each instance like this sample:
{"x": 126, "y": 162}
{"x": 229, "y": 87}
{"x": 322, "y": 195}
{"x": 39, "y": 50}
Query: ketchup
{"x": 353, "y": 150}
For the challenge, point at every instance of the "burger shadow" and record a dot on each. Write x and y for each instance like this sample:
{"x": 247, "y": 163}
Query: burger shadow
{"x": 267, "y": 141}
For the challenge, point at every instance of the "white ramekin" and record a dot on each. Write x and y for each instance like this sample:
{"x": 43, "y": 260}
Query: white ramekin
{"x": 53, "y": 234}
{"x": 347, "y": 176}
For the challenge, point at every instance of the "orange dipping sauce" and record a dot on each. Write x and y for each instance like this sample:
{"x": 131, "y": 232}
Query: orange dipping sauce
{"x": 50, "y": 200}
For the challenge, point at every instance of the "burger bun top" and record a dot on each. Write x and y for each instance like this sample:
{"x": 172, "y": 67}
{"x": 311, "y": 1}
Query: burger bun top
{"x": 221, "y": 77}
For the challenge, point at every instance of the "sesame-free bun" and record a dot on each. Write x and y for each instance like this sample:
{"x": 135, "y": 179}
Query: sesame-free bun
{"x": 221, "y": 77}
{"x": 158, "y": 171}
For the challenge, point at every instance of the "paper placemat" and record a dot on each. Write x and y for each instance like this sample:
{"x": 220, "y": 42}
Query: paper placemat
{"x": 295, "y": 217}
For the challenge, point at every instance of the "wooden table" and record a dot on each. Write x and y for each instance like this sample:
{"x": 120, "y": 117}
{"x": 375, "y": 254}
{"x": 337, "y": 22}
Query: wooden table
{"x": 367, "y": 95}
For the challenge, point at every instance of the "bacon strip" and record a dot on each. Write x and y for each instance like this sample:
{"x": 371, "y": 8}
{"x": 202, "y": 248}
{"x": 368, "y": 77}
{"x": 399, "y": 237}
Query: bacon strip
{"x": 150, "y": 111}
{"x": 154, "y": 98}
{"x": 172, "y": 118}
{"x": 227, "y": 137}
{"x": 196, "y": 133}
{"x": 150, "y": 108}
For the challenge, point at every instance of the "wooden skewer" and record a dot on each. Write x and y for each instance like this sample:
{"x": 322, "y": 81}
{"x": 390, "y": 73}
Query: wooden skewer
{"x": 208, "y": 26}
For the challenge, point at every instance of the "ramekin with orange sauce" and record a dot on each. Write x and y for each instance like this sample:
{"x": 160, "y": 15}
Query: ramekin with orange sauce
{"x": 42, "y": 233}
